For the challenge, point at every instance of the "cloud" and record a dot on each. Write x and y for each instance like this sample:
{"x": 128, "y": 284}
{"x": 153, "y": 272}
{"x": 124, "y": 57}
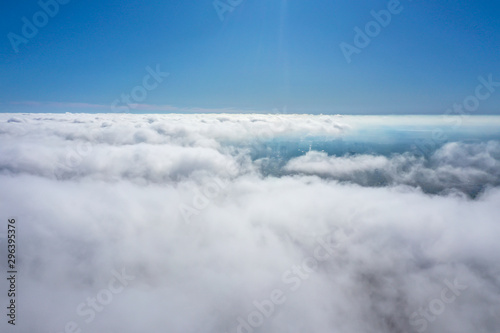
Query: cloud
{"x": 469, "y": 168}
{"x": 315, "y": 162}
{"x": 388, "y": 251}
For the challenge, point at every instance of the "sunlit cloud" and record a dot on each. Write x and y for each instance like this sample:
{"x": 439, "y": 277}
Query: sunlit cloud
{"x": 134, "y": 222}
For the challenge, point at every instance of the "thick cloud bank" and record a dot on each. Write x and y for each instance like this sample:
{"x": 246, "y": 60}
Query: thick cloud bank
{"x": 173, "y": 223}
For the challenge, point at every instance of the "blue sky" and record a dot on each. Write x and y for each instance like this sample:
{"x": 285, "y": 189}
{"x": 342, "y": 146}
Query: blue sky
{"x": 264, "y": 55}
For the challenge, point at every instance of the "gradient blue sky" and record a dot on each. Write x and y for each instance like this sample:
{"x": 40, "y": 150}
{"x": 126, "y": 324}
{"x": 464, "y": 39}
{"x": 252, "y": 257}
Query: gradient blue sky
{"x": 265, "y": 55}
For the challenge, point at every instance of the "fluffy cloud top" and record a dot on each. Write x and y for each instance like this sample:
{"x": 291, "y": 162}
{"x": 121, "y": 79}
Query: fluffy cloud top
{"x": 166, "y": 223}
{"x": 468, "y": 168}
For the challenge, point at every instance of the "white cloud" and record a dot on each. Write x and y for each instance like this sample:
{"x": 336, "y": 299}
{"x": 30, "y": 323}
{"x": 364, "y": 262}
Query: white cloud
{"x": 117, "y": 206}
{"x": 315, "y": 162}
{"x": 459, "y": 166}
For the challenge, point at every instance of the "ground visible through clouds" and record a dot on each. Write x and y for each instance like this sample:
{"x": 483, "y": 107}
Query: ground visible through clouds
{"x": 252, "y": 223}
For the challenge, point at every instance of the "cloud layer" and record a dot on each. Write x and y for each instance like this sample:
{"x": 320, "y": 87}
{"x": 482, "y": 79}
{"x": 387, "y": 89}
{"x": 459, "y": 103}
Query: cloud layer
{"x": 349, "y": 243}
{"x": 468, "y": 168}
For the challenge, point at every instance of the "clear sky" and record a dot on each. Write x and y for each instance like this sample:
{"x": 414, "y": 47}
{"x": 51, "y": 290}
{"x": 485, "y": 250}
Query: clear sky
{"x": 262, "y": 55}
